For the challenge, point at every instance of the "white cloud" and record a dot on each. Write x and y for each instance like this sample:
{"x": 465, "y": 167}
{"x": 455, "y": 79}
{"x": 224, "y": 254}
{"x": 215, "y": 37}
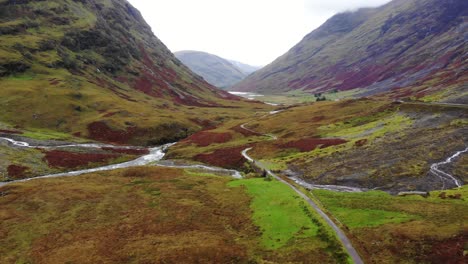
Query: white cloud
{"x": 341, "y": 5}
{"x": 250, "y": 31}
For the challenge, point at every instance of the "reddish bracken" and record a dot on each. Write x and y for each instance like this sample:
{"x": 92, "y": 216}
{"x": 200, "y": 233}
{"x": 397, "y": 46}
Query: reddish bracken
{"x": 244, "y": 132}
{"x": 205, "y": 123}
{"x": 226, "y": 158}
{"x": 102, "y": 132}
{"x": 128, "y": 151}
{"x": 17, "y": 171}
{"x": 10, "y": 131}
{"x": 360, "y": 142}
{"x": 203, "y": 139}
{"x": 308, "y": 144}
{"x": 65, "y": 159}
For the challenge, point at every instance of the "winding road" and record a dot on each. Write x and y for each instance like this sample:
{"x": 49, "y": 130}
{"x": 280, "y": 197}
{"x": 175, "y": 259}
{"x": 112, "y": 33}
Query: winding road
{"x": 339, "y": 233}
{"x": 352, "y": 252}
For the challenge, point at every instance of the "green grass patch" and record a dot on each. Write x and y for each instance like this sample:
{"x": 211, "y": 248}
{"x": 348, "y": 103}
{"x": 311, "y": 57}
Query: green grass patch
{"x": 368, "y": 209}
{"x": 277, "y": 211}
{"x": 368, "y": 217}
{"x": 370, "y": 130}
{"x": 43, "y": 134}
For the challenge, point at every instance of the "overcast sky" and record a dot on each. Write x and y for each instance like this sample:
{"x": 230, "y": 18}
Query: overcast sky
{"x": 250, "y": 31}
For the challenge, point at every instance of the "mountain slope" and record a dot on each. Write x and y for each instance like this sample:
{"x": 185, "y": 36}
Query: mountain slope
{"x": 419, "y": 44}
{"x": 215, "y": 70}
{"x": 247, "y": 69}
{"x": 94, "y": 68}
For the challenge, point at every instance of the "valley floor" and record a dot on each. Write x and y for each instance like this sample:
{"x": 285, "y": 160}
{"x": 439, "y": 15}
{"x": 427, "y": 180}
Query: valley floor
{"x": 188, "y": 214}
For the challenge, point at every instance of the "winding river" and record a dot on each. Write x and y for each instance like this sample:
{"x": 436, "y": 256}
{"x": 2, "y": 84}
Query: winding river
{"x": 155, "y": 154}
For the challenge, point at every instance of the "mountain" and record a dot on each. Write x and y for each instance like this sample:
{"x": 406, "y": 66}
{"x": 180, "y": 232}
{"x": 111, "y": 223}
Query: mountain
{"x": 247, "y": 69}
{"x": 215, "y": 70}
{"x": 94, "y": 68}
{"x": 415, "y": 44}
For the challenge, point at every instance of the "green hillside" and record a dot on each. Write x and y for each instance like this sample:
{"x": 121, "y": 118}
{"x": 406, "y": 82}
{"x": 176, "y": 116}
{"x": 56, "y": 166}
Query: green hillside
{"x": 94, "y": 69}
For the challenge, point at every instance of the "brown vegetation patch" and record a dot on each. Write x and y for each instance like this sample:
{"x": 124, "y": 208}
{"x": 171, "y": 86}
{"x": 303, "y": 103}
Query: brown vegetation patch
{"x": 360, "y": 142}
{"x": 65, "y": 159}
{"x": 245, "y": 132}
{"x": 204, "y": 138}
{"x": 54, "y": 81}
{"x": 102, "y": 132}
{"x": 10, "y": 131}
{"x": 450, "y": 250}
{"x": 308, "y": 144}
{"x": 17, "y": 171}
{"x": 316, "y": 119}
{"x": 205, "y": 123}
{"x": 128, "y": 151}
{"x": 226, "y": 158}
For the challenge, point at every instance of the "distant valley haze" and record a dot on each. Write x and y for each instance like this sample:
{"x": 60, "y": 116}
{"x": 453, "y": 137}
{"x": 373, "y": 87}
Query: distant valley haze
{"x": 254, "y": 32}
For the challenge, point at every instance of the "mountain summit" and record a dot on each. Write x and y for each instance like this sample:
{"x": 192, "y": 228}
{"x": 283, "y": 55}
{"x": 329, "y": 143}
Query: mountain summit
{"x": 420, "y": 44}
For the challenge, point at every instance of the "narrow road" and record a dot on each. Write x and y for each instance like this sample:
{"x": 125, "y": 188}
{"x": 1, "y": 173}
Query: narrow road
{"x": 340, "y": 234}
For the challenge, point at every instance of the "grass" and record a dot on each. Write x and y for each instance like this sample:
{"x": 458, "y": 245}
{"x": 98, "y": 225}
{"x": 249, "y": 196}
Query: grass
{"x": 65, "y": 88}
{"x": 300, "y": 97}
{"x": 156, "y": 214}
{"x": 117, "y": 217}
{"x": 370, "y": 130}
{"x": 46, "y": 134}
{"x": 277, "y": 212}
{"x": 429, "y": 228}
{"x": 374, "y": 212}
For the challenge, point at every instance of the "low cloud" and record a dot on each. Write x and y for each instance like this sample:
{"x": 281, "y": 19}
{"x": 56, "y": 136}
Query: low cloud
{"x": 335, "y": 6}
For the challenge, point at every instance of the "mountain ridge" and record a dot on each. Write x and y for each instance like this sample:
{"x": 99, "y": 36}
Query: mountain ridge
{"x": 403, "y": 44}
{"x": 103, "y": 66}
{"x": 216, "y": 70}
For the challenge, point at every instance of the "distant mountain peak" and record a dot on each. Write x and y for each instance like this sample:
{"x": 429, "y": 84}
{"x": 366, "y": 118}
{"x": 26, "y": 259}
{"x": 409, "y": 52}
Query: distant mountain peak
{"x": 218, "y": 71}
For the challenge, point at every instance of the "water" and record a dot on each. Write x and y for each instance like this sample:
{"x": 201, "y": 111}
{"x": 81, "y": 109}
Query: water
{"x": 248, "y": 95}
{"x": 444, "y": 175}
{"x": 155, "y": 154}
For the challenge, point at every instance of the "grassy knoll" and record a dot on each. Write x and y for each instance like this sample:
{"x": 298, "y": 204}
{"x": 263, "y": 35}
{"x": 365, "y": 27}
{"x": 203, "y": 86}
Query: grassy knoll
{"x": 412, "y": 229}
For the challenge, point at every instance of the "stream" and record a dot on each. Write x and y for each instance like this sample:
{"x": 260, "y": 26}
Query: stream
{"x": 155, "y": 154}
{"x": 444, "y": 175}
